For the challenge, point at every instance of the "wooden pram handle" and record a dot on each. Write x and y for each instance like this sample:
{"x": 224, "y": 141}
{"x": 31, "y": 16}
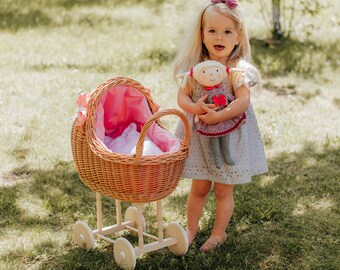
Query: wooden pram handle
{"x": 147, "y": 125}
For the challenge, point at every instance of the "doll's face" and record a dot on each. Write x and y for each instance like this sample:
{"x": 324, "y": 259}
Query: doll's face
{"x": 210, "y": 76}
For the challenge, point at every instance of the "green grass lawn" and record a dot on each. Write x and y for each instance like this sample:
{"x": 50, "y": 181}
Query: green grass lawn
{"x": 53, "y": 50}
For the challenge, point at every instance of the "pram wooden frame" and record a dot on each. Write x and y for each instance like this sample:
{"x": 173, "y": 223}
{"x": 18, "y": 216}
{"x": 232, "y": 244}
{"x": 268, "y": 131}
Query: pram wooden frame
{"x": 124, "y": 253}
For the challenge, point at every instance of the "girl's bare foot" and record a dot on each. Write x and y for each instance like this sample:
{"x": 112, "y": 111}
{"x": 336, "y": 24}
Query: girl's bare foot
{"x": 191, "y": 236}
{"x": 213, "y": 242}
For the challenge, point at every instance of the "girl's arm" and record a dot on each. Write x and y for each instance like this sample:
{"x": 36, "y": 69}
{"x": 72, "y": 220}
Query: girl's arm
{"x": 186, "y": 104}
{"x": 235, "y": 108}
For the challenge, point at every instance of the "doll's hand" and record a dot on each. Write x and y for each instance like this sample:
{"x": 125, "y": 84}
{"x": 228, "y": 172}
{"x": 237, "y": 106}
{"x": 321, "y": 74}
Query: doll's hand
{"x": 210, "y": 117}
{"x": 201, "y": 103}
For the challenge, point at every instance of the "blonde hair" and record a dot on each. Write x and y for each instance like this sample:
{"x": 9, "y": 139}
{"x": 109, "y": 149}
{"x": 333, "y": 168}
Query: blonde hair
{"x": 193, "y": 51}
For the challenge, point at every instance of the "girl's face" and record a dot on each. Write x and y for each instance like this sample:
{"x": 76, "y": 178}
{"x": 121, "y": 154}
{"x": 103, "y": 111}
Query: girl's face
{"x": 219, "y": 35}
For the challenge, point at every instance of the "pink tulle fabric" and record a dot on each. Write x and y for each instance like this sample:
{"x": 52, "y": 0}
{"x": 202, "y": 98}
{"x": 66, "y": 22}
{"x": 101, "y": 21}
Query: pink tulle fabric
{"x": 122, "y": 105}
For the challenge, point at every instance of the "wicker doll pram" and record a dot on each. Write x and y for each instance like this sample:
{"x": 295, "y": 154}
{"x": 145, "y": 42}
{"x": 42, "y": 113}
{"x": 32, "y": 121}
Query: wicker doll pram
{"x": 135, "y": 178}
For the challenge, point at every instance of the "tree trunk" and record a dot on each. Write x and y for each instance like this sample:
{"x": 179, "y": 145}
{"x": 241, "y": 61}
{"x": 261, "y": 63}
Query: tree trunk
{"x": 277, "y": 31}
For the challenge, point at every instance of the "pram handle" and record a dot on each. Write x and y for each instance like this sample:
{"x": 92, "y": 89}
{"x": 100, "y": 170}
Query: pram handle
{"x": 147, "y": 125}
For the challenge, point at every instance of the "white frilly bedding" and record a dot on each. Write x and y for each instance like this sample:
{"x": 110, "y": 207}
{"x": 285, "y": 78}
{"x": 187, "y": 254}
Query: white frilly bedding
{"x": 126, "y": 143}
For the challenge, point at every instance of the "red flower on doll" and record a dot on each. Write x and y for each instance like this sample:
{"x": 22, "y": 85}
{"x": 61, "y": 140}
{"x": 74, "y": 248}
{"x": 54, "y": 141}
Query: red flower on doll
{"x": 220, "y": 100}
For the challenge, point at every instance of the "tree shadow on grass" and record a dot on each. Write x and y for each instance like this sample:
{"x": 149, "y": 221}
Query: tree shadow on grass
{"x": 306, "y": 58}
{"x": 65, "y": 200}
{"x": 15, "y": 19}
{"x": 16, "y": 15}
{"x": 63, "y": 195}
{"x": 285, "y": 219}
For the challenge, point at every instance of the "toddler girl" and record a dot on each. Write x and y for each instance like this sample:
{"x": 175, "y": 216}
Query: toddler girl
{"x": 219, "y": 34}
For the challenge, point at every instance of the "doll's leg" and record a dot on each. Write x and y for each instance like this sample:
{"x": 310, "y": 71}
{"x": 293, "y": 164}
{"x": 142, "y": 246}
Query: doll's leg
{"x": 226, "y": 150}
{"x": 215, "y": 146}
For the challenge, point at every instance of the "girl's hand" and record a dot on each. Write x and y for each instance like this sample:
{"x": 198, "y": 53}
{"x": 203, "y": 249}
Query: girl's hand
{"x": 235, "y": 108}
{"x": 201, "y": 103}
{"x": 211, "y": 116}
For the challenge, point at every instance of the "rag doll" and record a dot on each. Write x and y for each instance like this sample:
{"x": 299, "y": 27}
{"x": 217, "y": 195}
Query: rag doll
{"x": 210, "y": 76}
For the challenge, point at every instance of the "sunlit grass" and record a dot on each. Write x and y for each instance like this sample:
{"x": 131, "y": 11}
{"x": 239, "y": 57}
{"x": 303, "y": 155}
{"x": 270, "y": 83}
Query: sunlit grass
{"x": 31, "y": 247}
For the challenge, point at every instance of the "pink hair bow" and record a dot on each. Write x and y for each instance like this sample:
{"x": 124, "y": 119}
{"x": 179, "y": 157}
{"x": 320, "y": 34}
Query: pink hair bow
{"x": 230, "y": 3}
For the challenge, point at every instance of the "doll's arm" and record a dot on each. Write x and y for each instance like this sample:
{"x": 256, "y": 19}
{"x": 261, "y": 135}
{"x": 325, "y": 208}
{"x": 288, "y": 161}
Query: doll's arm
{"x": 235, "y": 108}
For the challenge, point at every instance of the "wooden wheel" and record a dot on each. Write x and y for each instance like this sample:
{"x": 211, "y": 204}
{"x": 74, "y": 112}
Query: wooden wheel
{"x": 131, "y": 214}
{"x": 124, "y": 254}
{"x": 82, "y": 235}
{"x": 176, "y": 231}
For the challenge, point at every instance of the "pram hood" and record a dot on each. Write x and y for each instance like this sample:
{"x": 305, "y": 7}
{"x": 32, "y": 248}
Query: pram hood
{"x": 122, "y": 105}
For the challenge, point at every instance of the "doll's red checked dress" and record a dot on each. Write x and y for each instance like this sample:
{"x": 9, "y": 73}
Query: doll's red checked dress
{"x": 221, "y": 96}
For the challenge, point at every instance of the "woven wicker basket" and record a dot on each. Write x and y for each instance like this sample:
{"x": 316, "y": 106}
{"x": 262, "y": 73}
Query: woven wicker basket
{"x": 131, "y": 178}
